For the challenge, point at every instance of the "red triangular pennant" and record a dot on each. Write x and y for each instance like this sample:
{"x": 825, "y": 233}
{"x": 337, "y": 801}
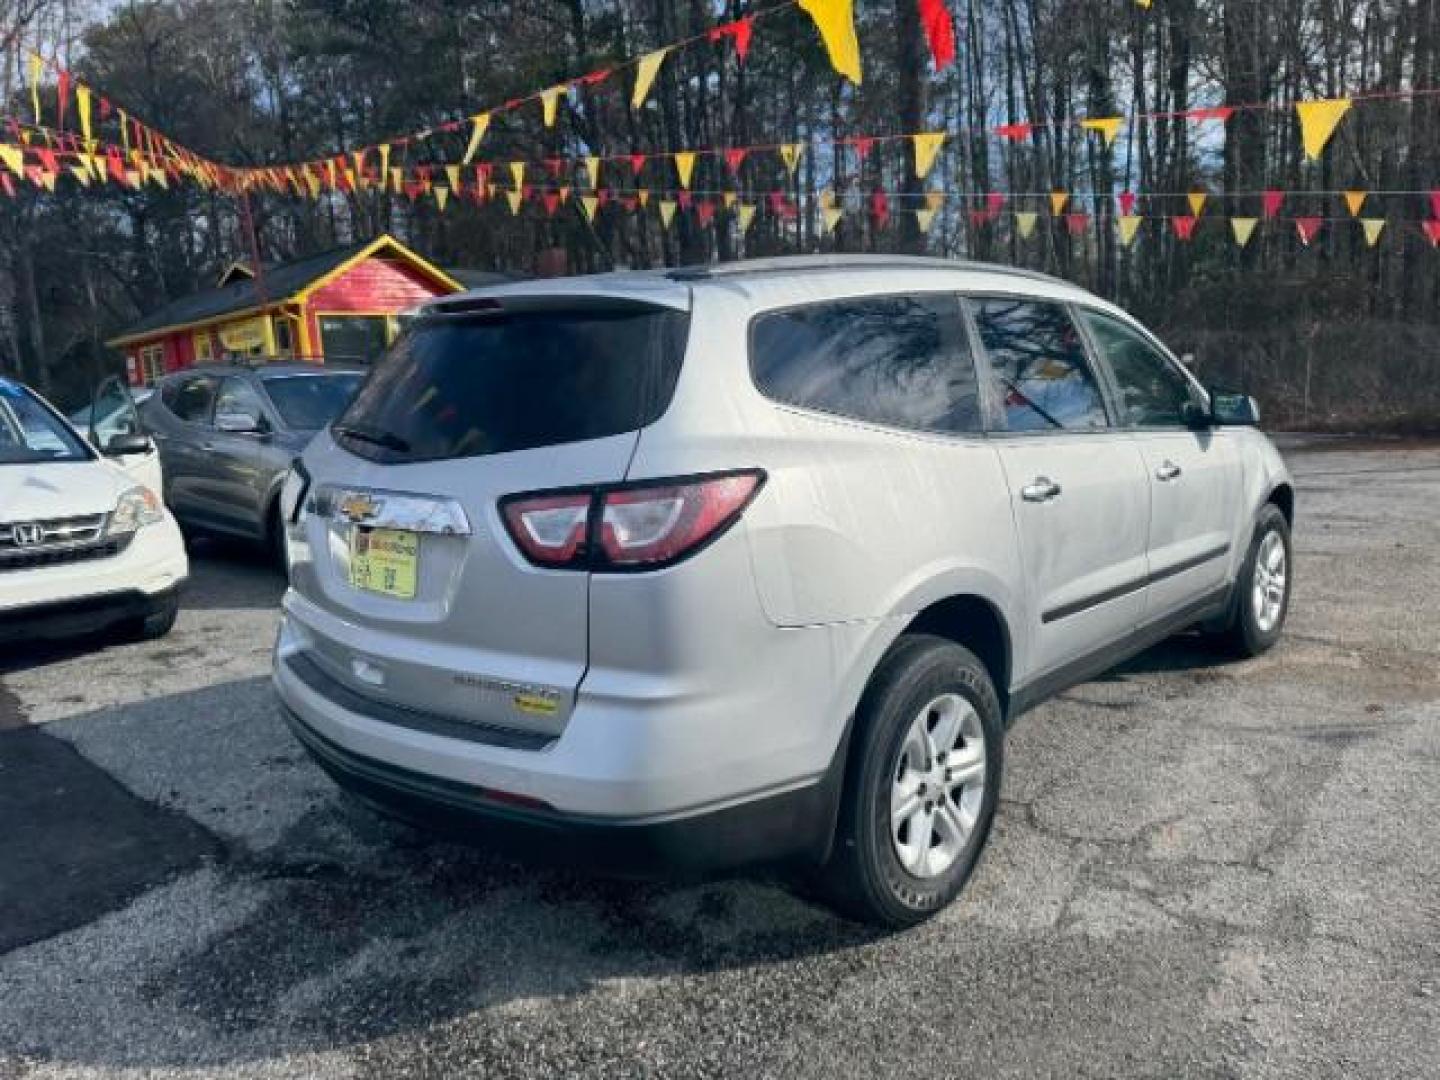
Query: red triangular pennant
{"x": 637, "y": 162}
{"x": 1307, "y": 227}
{"x": 1126, "y": 199}
{"x": 1272, "y": 201}
{"x": 880, "y": 209}
{"x": 939, "y": 32}
{"x": 1431, "y": 229}
{"x": 738, "y": 31}
{"x": 1076, "y": 221}
{"x": 734, "y": 158}
{"x": 1014, "y": 132}
{"x": 1184, "y": 226}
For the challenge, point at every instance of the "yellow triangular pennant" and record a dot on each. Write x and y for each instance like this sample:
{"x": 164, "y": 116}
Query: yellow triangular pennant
{"x": 1317, "y": 122}
{"x": 517, "y": 174}
{"x": 1129, "y": 226}
{"x": 1355, "y": 200}
{"x": 667, "y": 212}
{"x": 82, "y": 106}
{"x": 934, "y": 200}
{"x": 927, "y": 146}
{"x": 729, "y": 199}
{"x": 924, "y": 219}
{"x": 81, "y": 173}
{"x": 549, "y": 100}
{"x": 515, "y": 199}
{"x": 1243, "y": 229}
{"x": 645, "y": 72}
{"x": 642, "y": 196}
{"x": 685, "y": 166}
{"x": 37, "y": 68}
{"x": 827, "y": 199}
{"x": 592, "y": 166}
{"x": 13, "y": 158}
{"x": 47, "y": 181}
{"x": 1197, "y": 202}
{"x": 744, "y": 215}
{"x": 589, "y": 204}
{"x": 835, "y": 19}
{"x": 442, "y": 196}
{"x": 790, "y": 154}
{"x": 479, "y": 124}
{"x": 1107, "y": 127}
{"x": 1058, "y": 199}
{"x": 397, "y": 180}
{"x": 1373, "y": 227}
{"x": 832, "y": 216}
{"x": 385, "y": 164}
{"x": 1025, "y": 223}
{"x": 452, "y": 174}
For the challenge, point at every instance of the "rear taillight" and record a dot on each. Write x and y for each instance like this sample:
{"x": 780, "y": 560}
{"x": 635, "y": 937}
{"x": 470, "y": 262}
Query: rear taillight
{"x": 638, "y": 526}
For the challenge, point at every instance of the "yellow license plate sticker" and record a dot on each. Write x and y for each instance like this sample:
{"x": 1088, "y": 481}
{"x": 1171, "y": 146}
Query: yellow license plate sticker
{"x": 385, "y": 561}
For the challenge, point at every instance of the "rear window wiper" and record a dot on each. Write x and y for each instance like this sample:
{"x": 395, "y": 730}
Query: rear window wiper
{"x": 387, "y": 439}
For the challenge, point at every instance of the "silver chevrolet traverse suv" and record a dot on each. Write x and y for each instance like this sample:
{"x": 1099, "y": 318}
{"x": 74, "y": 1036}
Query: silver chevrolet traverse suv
{"x": 755, "y": 562}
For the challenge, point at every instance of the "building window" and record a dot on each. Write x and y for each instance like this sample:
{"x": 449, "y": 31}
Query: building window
{"x": 356, "y": 339}
{"x": 283, "y": 345}
{"x": 152, "y": 363}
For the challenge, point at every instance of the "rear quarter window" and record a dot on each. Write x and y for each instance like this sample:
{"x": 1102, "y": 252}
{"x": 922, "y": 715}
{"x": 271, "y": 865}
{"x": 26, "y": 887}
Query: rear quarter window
{"x": 499, "y": 380}
{"x": 901, "y": 361}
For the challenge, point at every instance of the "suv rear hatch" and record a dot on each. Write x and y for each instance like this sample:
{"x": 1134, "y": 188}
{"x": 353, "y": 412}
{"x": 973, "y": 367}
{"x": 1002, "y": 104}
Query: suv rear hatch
{"x": 418, "y": 597}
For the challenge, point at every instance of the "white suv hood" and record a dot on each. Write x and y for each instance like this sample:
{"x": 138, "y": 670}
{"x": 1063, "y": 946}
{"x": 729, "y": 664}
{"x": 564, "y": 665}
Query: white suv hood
{"x": 58, "y": 489}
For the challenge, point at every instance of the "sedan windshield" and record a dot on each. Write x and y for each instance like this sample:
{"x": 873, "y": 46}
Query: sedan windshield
{"x": 31, "y": 433}
{"x": 310, "y": 402}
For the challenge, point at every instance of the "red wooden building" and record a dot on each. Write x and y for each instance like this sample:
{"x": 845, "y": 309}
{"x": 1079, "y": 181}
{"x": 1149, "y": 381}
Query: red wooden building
{"x": 342, "y": 305}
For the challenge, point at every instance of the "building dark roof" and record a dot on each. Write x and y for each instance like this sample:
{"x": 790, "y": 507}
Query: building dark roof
{"x": 281, "y": 281}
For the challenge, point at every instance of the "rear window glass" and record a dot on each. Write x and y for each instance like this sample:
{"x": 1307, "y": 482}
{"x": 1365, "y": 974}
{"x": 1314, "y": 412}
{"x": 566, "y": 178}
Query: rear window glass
{"x": 903, "y": 361}
{"x": 474, "y": 384}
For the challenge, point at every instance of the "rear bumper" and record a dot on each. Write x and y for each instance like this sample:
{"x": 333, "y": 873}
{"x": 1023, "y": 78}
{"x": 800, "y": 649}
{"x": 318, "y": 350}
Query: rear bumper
{"x": 74, "y": 618}
{"x": 794, "y": 825}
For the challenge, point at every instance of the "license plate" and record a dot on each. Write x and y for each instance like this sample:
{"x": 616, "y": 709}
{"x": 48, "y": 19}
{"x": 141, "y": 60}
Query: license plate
{"x": 385, "y": 561}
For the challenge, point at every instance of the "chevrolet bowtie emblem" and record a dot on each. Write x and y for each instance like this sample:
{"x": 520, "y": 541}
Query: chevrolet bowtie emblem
{"x": 359, "y": 508}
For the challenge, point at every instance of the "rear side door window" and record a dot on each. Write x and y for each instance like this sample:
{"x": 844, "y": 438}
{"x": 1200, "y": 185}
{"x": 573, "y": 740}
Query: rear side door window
{"x": 192, "y": 398}
{"x": 1040, "y": 374}
{"x": 1152, "y": 390}
{"x": 901, "y": 361}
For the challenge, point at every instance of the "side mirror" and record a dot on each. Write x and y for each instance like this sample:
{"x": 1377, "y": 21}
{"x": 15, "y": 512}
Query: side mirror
{"x": 1233, "y": 409}
{"x": 239, "y": 423}
{"x": 1196, "y": 415}
{"x": 125, "y": 445}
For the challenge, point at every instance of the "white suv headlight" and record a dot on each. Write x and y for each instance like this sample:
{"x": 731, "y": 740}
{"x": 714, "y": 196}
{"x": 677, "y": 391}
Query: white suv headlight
{"x": 137, "y": 507}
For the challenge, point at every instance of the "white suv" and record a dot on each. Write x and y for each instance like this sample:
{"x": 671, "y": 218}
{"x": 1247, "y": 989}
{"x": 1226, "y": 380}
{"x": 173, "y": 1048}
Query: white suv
{"x": 85, "y": 545}
{"x": 755, "y": 562}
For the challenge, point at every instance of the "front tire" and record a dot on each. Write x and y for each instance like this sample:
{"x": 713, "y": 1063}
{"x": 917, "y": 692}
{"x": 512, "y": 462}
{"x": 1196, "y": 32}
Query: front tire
{"x": 922, "y": 784}
{"x": 155, "y": 625}
{"x": 1262, "y": 591}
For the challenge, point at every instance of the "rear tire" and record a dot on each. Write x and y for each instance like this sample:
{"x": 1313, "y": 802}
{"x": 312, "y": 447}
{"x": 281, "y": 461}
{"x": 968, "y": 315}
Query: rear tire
{"x": 1262, "y": 589}
{"x": 275, "y": 540}
{"x": 155, "y": 625}
{"x": 922, "y": 783}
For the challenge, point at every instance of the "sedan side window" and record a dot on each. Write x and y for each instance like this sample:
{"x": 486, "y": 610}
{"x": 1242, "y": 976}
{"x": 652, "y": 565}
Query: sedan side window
{"x": 1038, "y": 365}
{"x": 192, "y": 399}
{"x": 238, "y": 398}
{"x": 1153, "y": 392}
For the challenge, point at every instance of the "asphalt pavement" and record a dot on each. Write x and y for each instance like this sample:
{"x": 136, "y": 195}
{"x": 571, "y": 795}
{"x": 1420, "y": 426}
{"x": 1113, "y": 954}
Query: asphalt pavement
{"x": 1201, "y": 868}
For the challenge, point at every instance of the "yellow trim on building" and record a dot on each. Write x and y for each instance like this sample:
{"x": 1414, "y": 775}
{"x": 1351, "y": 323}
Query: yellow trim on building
{"x": 369, "y": 251}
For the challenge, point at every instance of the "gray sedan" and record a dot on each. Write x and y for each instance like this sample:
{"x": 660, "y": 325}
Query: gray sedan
{"x": 228, "y": 433}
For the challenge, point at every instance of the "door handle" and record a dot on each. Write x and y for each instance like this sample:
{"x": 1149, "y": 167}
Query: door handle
{"x": 1168, "y": 470}
{"x": 1041, "y": 489}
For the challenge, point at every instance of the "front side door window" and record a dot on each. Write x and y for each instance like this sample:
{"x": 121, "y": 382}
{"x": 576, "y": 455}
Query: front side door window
{"x": 1153, "y": 392}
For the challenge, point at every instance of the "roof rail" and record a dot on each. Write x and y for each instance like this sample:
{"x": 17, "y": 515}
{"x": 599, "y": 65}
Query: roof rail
{"x": 783, "y": 264}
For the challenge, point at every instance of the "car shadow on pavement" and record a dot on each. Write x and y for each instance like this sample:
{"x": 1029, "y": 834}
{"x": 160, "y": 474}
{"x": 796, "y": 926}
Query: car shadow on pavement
{"x": 231, "y": 574}
{"x": 319, "y": 925}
